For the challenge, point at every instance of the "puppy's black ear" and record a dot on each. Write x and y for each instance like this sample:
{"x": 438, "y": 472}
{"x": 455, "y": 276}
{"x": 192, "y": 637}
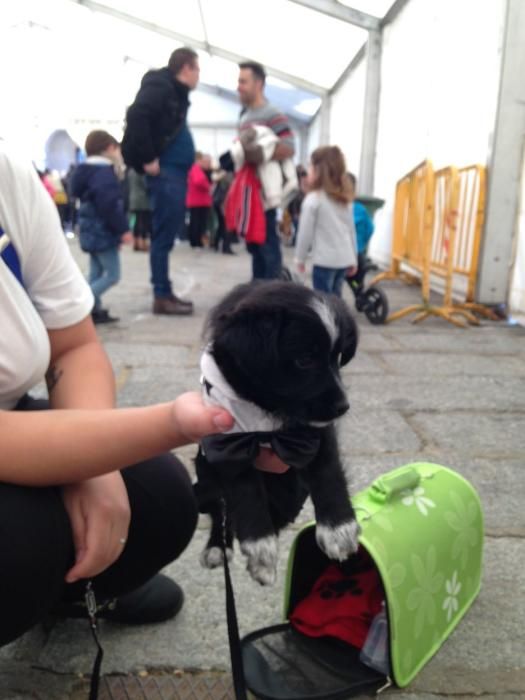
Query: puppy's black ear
{"x": 349, "y": 337}
{"x": 246, "y": 340}
{"x": 348, "y": 333}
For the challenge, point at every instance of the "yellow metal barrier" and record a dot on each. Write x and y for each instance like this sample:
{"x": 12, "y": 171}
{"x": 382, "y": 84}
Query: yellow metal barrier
{"x": 438, "y": 219}
{"x": 413, "y": 201}
{"x": 471, "y": 216}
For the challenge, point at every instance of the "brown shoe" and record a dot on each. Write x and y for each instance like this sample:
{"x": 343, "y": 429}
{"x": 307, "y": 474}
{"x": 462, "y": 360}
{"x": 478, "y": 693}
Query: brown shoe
{"x": 171, "y": 307}
{"x": 183, "y": 302}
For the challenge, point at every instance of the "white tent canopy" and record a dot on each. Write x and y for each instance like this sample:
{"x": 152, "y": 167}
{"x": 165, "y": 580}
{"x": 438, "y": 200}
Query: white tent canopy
{"x": 76, "y": 64}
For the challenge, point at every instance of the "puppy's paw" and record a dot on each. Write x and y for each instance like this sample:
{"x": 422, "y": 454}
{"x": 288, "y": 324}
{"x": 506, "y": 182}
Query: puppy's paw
{"x": 262, "y": 559}
{"x": 212, "y": 557}
{"x": 340, "y": 541}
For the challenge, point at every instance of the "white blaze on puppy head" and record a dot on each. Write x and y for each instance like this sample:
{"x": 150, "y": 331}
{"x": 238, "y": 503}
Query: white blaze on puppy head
{"x": 327, "y": 318}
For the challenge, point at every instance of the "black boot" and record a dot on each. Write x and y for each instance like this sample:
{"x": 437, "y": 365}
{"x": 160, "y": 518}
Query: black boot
{"x": 157, "y": 600}
{"x": 102, "y": 316}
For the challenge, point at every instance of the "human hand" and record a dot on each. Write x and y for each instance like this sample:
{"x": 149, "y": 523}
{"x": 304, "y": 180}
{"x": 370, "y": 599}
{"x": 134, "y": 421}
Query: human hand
{"x": 351, "y": 271}
{"x": 152, "y": 168}
{"x": 301, "y": 267}
{"x": 127, "y": 238}
{"x": 268, "y": 461}
{"x": 99, "y": 514}
{"x": 193, "y": 419}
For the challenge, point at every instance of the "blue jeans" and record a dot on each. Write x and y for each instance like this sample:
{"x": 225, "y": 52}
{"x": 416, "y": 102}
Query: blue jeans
{"x": 266, "y": 258}
{"x": 104, "y": 272}
{"x": 167, "y": 192}
{"x": 328, "y": 279}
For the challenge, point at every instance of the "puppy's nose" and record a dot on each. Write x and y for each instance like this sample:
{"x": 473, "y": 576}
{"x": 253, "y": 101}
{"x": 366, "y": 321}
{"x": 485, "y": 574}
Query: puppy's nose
{"x": 341, "y": 407}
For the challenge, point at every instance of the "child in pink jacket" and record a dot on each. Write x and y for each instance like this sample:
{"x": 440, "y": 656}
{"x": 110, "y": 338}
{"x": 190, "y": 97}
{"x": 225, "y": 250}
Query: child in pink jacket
{"x": 198, "y": 199}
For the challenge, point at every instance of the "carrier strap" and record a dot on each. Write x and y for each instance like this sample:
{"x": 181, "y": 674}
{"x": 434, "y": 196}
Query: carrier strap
{"x": 239, "y": 684}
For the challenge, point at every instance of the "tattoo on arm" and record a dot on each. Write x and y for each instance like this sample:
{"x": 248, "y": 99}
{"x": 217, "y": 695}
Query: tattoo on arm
{"x": 53, "y": 375}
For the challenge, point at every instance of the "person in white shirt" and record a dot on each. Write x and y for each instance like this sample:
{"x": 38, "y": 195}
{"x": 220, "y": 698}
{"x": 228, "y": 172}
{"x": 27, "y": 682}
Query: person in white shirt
{"x": 326, "y": 224}
{"x": 71, "y": 507}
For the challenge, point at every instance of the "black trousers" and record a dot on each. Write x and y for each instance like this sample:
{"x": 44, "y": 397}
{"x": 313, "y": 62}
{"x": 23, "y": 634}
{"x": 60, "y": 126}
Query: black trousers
{"x": 222, "y": 234}
{"x": 356, "y": 282}
{"x": 36, "y": 544}
{"x": 198, "y": 225}
{"x": 142, "y": 227}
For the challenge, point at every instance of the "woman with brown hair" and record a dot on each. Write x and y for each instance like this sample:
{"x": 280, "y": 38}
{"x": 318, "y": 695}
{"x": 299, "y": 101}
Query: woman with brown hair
{"x": 326, "y": 225}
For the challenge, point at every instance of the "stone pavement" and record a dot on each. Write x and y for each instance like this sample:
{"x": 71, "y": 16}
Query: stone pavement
{"x": 418, "y": 392}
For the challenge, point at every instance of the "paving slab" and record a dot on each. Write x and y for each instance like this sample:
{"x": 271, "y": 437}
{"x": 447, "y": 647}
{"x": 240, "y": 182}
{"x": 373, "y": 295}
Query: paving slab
{"x": 376, "y": 431}
{"x": 449, "y": 364}
{"x": 475, "y": 432}
{"x": 371, "y": 391}
{"x": 492, "y": 339}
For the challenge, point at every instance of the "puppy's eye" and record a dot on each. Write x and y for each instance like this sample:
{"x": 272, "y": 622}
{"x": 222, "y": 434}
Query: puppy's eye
{"x": 305, "y": 362}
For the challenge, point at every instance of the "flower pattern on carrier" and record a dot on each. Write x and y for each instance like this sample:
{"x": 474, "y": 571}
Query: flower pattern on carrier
{"x": 450, "y": 604}
{"x": 464, "y": 521}
{"x": 417, "y": 497}
{"x": 422, "y": 598}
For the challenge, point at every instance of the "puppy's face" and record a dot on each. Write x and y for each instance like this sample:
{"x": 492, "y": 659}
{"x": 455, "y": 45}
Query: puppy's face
{"x": 281, "y": 345}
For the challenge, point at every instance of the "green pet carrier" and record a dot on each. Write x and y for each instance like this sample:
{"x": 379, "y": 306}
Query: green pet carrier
{"x": 422, "y": 527}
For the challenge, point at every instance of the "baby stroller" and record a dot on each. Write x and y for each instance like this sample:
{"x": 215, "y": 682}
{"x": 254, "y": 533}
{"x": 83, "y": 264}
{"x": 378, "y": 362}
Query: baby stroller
{"x": 372, "y": 301}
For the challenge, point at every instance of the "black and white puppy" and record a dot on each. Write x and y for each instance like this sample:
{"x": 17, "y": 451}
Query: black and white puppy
{"x": 273, "y": 355}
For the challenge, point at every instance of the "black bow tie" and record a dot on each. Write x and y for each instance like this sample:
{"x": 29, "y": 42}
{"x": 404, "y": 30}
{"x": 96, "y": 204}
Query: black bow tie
{"x": 297, "y": 447}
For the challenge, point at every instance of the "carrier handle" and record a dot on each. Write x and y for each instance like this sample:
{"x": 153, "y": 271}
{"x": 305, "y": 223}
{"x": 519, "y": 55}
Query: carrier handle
{"x": 386, "y": 487}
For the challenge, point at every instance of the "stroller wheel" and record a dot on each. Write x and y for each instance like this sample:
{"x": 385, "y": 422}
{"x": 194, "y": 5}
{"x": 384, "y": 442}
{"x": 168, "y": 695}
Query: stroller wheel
{"x": 375, "y": 305}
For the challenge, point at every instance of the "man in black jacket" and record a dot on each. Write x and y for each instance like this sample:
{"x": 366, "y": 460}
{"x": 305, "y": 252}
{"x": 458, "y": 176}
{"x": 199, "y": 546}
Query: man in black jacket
{"x": 158, "y": 142}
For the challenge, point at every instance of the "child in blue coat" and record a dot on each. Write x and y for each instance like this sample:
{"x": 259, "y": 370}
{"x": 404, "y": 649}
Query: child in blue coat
{"x": 102, "y": 219}
{"x": 364, "y": 228}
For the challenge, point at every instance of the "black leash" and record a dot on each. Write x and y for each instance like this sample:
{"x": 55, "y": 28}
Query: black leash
{"x": 239, "y": 684}
{"x": 91, "y": 605}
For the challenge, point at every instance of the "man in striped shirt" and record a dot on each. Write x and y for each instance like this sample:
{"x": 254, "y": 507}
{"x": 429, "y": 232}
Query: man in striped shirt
{"x": 257, "y": 111}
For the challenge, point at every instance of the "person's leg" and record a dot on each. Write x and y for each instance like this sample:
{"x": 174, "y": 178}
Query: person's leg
{"x": 322, "y": 279}
{"x": 229, "y": 238}
{"x": 361, "y": 270}
{"x": 139, "y": 229}
{"x": 37, "y": 550}
{"x": 95, "y": 273}
{"x": 194, "y": 229}
{"x": 37, "y": 545}
{"x": 163, "y": 520}
{"x": 146, "y": 214}
{"x": 202, "y": 218}
{"x": 356, "y": 282}
{"x": 167, "y": 193}
{"x": 207, "y": 223}
{"x": 220, "y": 233}
{"x": 337, "y": 283}
{"x": 258, "y": 261}
{"x": 271, "y": 250}
{"x": 145, "y": 230}
{"x": 109, "y": 260}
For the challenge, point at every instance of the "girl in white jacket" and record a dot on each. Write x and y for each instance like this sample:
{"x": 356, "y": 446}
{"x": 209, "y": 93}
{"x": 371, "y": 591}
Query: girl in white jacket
{"x": 326, "y": 224}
